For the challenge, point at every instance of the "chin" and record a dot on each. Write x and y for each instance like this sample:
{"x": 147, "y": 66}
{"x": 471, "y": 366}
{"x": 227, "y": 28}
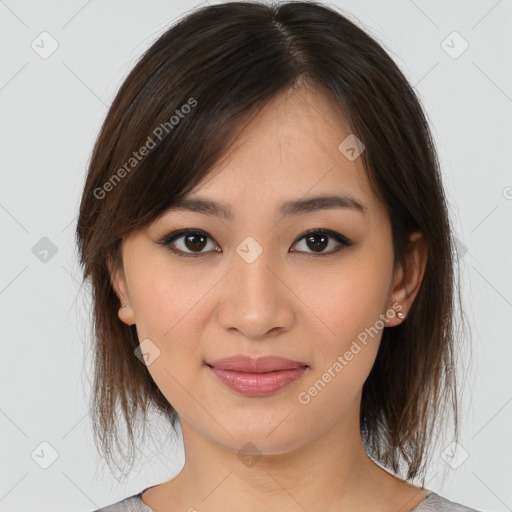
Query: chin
{"x": 261, "y": 440}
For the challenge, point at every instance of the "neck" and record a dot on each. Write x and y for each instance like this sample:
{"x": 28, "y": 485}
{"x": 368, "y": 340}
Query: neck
{"x": 332, "y": 472}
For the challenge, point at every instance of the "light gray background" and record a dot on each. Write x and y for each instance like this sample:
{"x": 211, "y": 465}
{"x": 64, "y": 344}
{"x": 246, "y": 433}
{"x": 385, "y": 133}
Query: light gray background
{"x": 51, "y": 112}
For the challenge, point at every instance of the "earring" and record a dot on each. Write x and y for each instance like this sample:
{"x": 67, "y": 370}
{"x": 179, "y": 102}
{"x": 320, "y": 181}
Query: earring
{"x": 400, "y": 315}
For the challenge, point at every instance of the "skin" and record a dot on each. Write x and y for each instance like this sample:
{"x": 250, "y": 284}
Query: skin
{"x": 309, "y": 456}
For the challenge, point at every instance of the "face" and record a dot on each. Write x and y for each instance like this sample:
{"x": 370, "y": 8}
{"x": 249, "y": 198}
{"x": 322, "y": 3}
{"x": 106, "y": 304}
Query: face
{"x": 313, "y": 285}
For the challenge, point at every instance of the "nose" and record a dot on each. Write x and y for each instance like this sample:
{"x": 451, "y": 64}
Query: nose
{"x": 256, "y": 302}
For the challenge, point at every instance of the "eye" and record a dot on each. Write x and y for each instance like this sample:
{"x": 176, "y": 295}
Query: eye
{"x": 191, "y": 239}
{"x": 318, "y": 240}
{"x": 194, "y": 240}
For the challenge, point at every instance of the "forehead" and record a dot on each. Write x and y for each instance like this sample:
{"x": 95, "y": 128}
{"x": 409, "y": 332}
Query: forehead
{"x": 290, "y": 149}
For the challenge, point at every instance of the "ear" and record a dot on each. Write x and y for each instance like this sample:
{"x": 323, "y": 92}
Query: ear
{"x": 119, "y": 284}
{"x": 407, "y": 281}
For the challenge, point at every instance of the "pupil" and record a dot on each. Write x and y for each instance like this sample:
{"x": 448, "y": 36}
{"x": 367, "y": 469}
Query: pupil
{"x": 195, "y": 246}
{"x": 322, "y": 245}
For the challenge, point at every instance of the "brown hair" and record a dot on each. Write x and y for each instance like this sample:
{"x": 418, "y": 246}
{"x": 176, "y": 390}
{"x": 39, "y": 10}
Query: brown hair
{"x": 185, "y": 101}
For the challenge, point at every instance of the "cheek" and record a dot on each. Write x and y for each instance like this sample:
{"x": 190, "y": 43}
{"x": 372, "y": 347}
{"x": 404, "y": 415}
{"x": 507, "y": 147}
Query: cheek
{"x": 352, "y": 300}
{"x": 350, "y": 303}
{"x": 167, "y": 305}
{"x": 343, "y": 358}
{"x": 163, "y": 294}
{"x": 167, "y": 314}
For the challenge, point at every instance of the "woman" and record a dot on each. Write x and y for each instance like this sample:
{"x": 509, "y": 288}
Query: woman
{"x": 266, "y": 234}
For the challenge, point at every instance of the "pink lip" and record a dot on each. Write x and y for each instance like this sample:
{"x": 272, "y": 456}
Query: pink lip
{"x": 257, "y": 377}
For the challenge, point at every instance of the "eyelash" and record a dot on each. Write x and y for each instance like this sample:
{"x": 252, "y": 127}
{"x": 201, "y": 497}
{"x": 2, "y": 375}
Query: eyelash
{"x": 171, "y": 237}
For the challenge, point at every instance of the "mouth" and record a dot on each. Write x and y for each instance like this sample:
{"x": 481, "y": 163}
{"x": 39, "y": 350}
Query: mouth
{"x": 247, "y": 364}
{"x": 263, "y": 376}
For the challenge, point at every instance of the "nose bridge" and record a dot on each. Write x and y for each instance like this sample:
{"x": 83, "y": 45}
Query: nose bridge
{"x": 252, "y": 271}
{"x": 256, "y": 301}
{"x": 253, "y": 275}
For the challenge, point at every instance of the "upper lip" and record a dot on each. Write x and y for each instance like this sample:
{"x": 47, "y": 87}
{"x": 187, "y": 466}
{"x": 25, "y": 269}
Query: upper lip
{"x": 263, "y": 364}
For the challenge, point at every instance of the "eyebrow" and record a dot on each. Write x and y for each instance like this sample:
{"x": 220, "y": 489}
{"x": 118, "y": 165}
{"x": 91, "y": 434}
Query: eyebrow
{"x": 296, "y": 207}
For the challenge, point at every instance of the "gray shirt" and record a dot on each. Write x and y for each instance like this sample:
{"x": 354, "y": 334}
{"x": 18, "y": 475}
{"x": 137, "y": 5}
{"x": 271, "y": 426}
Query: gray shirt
{"x": 432, "y": 503}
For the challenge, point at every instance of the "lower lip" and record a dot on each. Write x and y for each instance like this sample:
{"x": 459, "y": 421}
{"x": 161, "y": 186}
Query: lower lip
{"x": 258, "y": 384}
